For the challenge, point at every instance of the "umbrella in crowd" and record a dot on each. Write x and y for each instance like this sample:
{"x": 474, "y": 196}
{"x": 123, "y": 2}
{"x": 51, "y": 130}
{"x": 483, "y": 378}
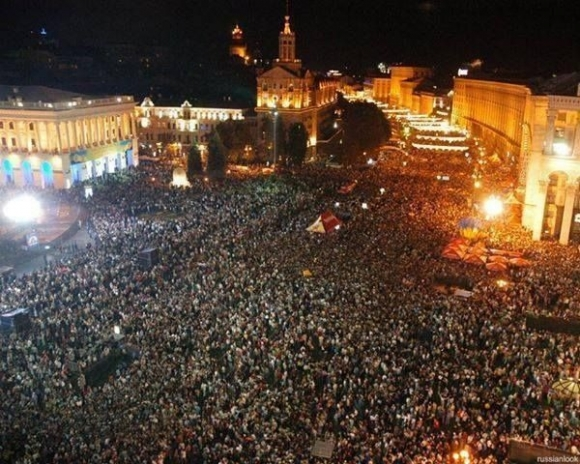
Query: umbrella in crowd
{"x": 471, "y": 229}
{"x": 325, "y": 223}
{"x": 496, "y": 267}
{"x": 498, "y": 259}
{"x": 567, "y": 388}
{"x": 519, "y": 262}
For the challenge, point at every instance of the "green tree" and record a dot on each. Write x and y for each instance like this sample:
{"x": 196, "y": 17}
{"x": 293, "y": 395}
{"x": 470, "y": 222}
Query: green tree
{"x": 365, "y": 129}
{"x": 194, "y": 165}
{"x": 216, "y": 155}
{"x": 236, "y": 137}
{"x": 297, "y": 144}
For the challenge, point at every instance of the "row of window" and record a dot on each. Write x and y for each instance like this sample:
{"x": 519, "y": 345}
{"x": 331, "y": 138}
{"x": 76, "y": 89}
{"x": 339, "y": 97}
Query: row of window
{"x": 187, "y": 139}
{"x": 13, "y": 144}
{"x": 175, "y": 114}
{"x": 274, "y": 86}
{"x": 11, "y": 125}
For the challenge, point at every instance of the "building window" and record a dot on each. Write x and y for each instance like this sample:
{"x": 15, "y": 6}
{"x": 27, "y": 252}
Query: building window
{"x": 33, "y": 143}
{"x": 1, "y": 125}
{"x": 11, "y": 125}
{"x": 13, "y": 140}
{"x": 31, "y": 126}
{"x": 3, "y": 141}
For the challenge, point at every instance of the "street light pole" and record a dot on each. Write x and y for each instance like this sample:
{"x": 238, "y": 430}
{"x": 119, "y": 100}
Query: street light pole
{"x": 275, "y": 138}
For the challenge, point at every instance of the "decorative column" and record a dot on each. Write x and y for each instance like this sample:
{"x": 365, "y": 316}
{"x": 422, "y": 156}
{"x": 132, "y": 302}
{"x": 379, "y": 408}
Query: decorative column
{"x": 540, "y": 206}
{"x": 37, "y": 135}
{"x": 576, "y": 143}
{"x": 68, "y": 136}
{"x": 568, "y": 214}
{"x": 58, "y": 137}
{"x": 549, "y": 138}
{"x": 75, "y": 133}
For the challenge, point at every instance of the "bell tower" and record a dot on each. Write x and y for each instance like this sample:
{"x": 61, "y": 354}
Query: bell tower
{"x": 287, "y": 45}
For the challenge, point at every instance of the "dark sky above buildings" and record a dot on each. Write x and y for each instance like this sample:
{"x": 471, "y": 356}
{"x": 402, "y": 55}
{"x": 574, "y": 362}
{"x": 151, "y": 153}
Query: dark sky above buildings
{"x": 514, "y": 34}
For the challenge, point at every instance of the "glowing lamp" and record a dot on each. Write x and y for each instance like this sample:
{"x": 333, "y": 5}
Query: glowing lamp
{"x": 561, "y": 149}
{"x": 365, "y": 206}
{"x": 493, "y": 207}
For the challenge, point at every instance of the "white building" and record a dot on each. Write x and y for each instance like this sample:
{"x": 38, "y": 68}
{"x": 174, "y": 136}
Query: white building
{"x": 182, "y": 124}
{"x": 55, "y": 138}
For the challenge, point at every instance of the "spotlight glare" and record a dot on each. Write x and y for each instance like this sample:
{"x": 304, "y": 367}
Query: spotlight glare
{"x": 23, "y": 208}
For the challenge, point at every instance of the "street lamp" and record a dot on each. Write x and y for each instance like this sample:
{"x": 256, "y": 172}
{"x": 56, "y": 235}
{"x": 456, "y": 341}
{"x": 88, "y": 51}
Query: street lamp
{"x": 493, "y": 207}
{"x": 275, "y": 114}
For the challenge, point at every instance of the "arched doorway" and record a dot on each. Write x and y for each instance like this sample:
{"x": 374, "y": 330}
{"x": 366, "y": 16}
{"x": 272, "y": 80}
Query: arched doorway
{"x": 27, "y": 175}
{"x": 554, "y": 206}
{"x": 47, "y": 174}
{"x": 8, "y": 172}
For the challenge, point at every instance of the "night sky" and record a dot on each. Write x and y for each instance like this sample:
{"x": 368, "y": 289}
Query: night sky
{"x": 513, "y": 34}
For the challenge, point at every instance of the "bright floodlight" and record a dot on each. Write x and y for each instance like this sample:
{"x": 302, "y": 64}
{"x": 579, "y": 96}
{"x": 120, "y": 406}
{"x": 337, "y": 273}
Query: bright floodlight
{"x": 23, "y": 208}
{"x": 493, "y": 207}
{"x": 561, "y": 149}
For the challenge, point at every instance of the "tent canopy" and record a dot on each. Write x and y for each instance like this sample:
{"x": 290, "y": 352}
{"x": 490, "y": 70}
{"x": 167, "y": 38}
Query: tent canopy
{"x": 326, "y": 223}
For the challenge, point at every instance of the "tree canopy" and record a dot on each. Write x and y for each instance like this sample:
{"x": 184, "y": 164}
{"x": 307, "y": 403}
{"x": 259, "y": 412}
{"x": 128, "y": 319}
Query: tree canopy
{"x": 194, "y": 165}
{"x": 365, "y": 129}
{"x": 216, "y": 155}
{"x": 297, "y": 144}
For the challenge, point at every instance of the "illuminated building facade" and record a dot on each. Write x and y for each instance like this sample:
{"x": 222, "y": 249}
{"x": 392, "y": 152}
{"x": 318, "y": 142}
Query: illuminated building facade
{"x": 238, "y": 46}
{"x": 183, "y": 124}
{"x": 397, "y": 89}
{"x": 536, "y": 123}
{"x": 290, "y": 94}
{"x": 53, "y": 138}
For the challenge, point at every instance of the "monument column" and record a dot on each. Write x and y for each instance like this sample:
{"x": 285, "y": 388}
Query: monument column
{"x": 568, "y": 214}
{"x": 539, "y": 214}
{"x": 576, "y": 143}
{"x": 549, "y": 138}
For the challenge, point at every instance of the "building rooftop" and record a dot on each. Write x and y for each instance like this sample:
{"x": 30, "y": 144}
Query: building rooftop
{"x": 43, "y": 98}
{"x": 37, "y": 93}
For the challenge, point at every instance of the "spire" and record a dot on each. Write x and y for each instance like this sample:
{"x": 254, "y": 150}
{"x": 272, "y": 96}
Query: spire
{"x": 287, "y": 43}
{"x": 287, "y": 30}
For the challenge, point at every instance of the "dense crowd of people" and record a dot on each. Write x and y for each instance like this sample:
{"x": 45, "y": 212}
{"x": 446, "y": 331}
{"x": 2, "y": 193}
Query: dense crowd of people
{"x": 234, "y": 355}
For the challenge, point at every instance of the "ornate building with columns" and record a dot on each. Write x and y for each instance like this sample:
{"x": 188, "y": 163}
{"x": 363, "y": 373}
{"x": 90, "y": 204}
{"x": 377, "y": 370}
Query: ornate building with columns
{"x": 536, "y": 123}
{"x": 287, "y": 93}
{"x": 54, "y": 138}
{"x": 397, "y": 87}
{"x": 182, "y": 124}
